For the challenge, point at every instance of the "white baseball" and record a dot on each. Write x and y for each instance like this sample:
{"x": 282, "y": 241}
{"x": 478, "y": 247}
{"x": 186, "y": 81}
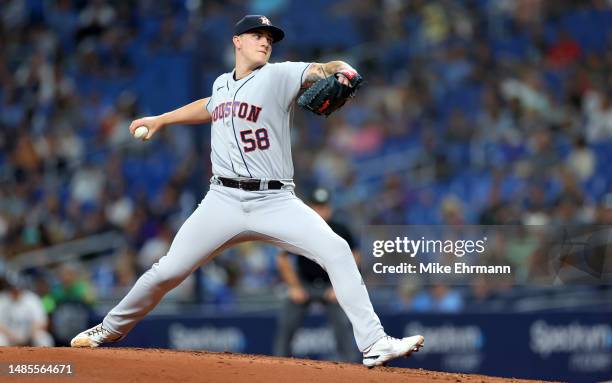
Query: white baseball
{"x": 141, "y": 132}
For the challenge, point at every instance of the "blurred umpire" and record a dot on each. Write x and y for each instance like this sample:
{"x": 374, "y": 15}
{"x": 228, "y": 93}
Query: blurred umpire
{"x": 308, "y": 283}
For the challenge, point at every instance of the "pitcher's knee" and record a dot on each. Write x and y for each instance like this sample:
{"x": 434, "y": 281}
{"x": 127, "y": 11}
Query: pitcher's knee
{"x": 336, "y": 250}
{"x": 167, "y": 278}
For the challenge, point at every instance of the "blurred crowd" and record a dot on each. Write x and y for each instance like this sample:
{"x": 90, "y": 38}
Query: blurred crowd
{"x": 476, "y": 111}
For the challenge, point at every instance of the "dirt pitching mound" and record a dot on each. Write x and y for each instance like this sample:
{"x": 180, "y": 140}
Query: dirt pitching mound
{"x": 154, "y": 365}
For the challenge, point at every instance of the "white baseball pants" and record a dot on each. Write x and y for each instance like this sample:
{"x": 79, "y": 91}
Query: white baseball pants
{"x": 228, "y": 216}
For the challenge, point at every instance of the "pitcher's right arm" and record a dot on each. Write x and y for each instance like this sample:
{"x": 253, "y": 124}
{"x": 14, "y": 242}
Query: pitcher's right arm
{"x": 192, "y": 113}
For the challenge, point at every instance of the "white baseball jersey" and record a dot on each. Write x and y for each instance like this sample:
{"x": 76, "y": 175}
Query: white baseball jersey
{"x": 21, "y": 314}
{"x": 251, "y": 120}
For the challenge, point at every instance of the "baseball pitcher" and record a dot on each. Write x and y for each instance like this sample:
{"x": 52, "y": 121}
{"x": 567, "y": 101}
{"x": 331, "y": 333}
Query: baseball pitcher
{"x": 251, "y": 194}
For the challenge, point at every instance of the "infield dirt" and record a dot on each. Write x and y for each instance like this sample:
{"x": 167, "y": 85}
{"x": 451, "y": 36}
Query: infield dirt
{"x": 155, "y": 365}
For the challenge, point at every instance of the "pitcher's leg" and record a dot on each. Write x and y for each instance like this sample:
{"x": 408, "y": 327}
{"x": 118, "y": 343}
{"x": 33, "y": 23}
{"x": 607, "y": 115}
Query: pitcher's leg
{"x": 216, "y": 221}
{"x": 289, "y": 223}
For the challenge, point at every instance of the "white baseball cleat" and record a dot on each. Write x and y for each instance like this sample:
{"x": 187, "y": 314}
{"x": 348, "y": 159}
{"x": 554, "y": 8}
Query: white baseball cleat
{"x": 94, "y": 337}
{"x": 388, "y": 348}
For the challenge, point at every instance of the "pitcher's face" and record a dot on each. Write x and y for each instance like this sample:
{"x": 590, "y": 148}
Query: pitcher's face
{"x": 255, "y": 46}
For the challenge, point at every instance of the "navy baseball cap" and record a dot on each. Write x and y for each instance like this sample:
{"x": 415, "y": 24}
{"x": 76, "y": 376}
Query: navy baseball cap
{"x": 252, "y": 22}
{"x": 319, "y": 196}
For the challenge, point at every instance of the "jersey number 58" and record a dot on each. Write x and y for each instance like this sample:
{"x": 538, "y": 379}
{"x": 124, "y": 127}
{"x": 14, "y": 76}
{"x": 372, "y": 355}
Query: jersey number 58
{"x": 260, "y": 141}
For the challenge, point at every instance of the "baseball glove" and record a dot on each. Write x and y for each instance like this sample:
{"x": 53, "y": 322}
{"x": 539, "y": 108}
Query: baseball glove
{"x": 328, "y": 95}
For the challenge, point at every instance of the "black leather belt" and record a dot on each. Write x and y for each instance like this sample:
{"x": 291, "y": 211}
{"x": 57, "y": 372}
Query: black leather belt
{"x": 249, "y": 185}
